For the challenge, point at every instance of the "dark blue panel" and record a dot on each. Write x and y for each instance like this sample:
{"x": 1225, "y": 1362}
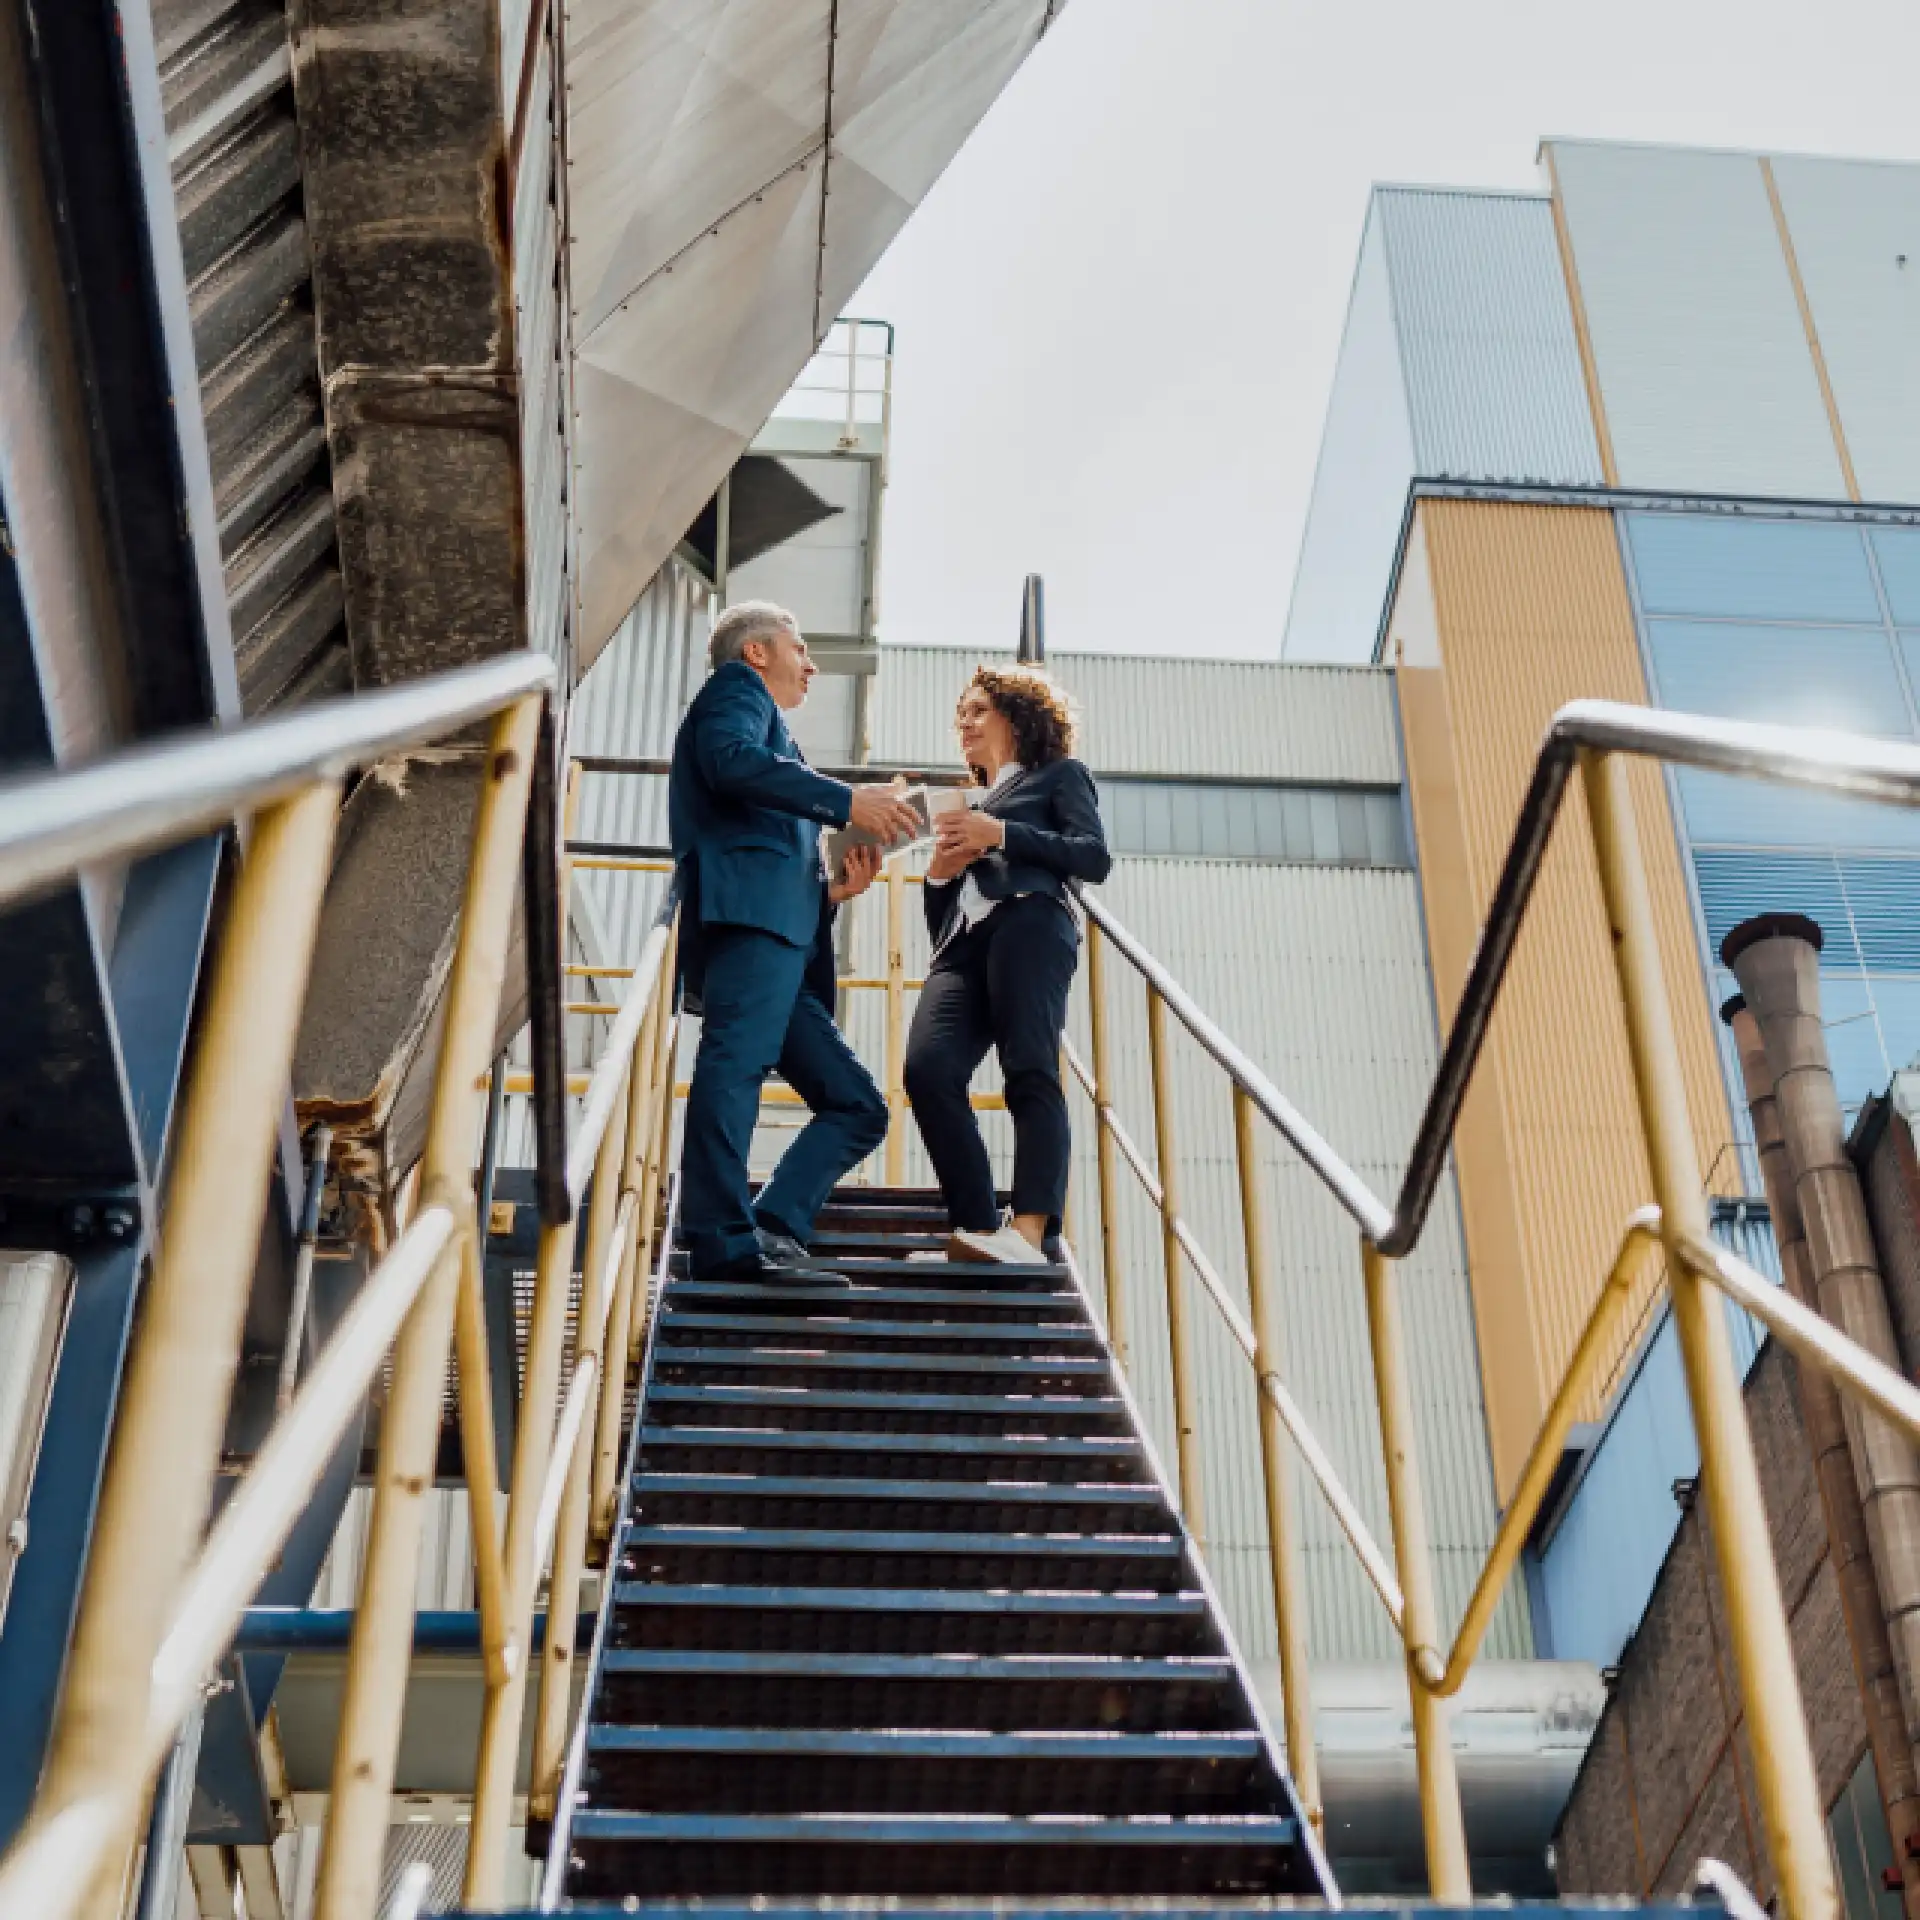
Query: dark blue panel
{"x": 66, "y": 1489}
{"x": 1898, "y": 551}
{"x": 1868, "y": 909}
{"x": 1751, "y": 569}
{"x": 1842, "y": 677}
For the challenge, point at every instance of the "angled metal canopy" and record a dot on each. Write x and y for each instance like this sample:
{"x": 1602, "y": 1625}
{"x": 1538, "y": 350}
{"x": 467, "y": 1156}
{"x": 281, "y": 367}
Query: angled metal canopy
{"x": 736, "y": 167}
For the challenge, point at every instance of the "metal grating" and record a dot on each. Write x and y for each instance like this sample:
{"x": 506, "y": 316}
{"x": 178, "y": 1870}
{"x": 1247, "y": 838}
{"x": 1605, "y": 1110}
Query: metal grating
{"x": 227, "y": 84}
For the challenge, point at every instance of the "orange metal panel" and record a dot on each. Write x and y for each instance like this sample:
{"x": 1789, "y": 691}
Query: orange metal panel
{"x": 1512, "y": 611}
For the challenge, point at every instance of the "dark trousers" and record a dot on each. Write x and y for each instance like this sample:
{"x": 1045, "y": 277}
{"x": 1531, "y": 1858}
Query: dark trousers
{"x": 1001, "y": 984}
{"x": 757, "y": 1018}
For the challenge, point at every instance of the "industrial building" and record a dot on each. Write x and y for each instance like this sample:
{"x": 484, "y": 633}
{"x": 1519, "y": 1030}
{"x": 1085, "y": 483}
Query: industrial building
{"x": 1645, "y": 435}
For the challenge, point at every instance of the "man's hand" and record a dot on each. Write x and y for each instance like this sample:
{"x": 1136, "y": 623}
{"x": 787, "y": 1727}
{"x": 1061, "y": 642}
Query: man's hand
{"x": 856, "y": 875}
{"x": 881, "y": 812}
{"x": 961, "y": 836}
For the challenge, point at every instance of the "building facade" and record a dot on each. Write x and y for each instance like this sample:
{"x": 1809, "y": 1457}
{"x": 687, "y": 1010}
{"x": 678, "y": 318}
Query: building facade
{"x": 1646, "y": 435}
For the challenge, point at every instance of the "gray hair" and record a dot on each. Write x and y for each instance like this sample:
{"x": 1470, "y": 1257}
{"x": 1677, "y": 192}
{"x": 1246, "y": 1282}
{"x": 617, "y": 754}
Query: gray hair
{"x": 750, "y": 620}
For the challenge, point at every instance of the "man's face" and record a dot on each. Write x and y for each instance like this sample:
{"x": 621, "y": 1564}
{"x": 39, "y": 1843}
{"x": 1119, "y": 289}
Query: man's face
{"x": 785, "y": 665}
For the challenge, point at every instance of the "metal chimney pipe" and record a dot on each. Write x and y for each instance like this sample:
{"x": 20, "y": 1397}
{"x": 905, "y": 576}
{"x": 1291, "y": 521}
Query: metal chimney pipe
{"x": 1776, "y": 959}
{"x": 1825, "y": 1421}
{"x": 1033, "y": 621}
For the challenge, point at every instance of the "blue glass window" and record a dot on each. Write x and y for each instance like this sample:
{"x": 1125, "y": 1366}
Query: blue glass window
{"x": 1897, "y": 549}
{"x": 1744, "y": 569}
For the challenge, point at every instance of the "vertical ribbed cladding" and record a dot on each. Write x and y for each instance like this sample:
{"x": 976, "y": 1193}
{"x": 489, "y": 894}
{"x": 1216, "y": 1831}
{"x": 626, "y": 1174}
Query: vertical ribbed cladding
{"x": 226, "y": 80}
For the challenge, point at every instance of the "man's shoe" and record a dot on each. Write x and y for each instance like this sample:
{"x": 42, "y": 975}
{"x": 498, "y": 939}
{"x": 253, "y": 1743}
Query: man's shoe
{"x": 1005, "y": 1246}
{"x": 757, "y": 1270}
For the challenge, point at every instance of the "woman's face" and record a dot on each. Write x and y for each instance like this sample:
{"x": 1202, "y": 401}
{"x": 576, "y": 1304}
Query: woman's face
{"x": 986, "y": 734}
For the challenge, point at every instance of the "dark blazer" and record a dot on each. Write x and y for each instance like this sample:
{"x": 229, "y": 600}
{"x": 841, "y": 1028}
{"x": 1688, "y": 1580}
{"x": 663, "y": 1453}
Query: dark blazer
{"x": 744, "y": 813}
{"x": 1055, "y": 840}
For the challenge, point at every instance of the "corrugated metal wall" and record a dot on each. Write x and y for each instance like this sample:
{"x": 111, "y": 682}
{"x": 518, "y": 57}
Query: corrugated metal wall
{"x": 1856, "y": 236}
{"x": 1317, "y": 972}
{"x": 1698, "y": 343}
{"x": 226, "y": 82}
{"x": 1494, "y": 383}
{"x": 1530, "y": 610}
{"x": 1234, "y": 719}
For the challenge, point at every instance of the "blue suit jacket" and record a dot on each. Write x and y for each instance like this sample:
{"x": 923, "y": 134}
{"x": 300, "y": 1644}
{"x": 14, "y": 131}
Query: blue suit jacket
{"x": 745, "y": 811}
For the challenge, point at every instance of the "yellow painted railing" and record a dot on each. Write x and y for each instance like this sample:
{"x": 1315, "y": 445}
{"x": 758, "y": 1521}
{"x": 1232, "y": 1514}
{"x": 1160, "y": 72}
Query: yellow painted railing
{"x": 1592, "y": 739}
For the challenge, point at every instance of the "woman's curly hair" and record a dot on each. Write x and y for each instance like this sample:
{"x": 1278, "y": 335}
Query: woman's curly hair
{"x": 1044, "y": 724}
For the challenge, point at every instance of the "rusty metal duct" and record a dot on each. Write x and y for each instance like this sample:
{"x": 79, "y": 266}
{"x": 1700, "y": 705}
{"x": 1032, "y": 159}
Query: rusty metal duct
{"x": 1825, "y": 1420}
{"x": 1776, "y": 959}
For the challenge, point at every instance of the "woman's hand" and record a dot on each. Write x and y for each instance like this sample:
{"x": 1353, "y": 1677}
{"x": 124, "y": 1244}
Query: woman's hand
{"x": 961, "y": 836}
{"x": 857, "y": 873}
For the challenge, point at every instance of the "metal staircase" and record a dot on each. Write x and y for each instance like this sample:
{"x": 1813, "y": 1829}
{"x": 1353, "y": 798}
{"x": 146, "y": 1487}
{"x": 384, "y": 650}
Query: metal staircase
{"x": 902, "y": 1608}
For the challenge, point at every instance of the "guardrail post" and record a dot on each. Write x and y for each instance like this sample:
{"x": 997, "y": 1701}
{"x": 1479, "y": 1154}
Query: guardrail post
{"x": 570, "y": 1535}
{"x": 1750, "y": 1583}
{"x": 1449, "y": 1879}
{"x": 896, "y": 1088}
{"x": 166, "y": 1446}
{"x": 1283, "y": 1545}
{"x": 1179, "y": 1328}
{"x": 1111, "y": 1274}
{"x": 382, "y": 1645}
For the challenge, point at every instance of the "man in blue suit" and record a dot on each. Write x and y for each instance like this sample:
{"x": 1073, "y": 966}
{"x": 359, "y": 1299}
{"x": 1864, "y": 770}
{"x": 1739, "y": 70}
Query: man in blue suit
{"x": 745, "y": 813}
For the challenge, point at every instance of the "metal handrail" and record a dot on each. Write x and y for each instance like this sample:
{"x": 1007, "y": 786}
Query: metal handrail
{"x": 1588, "y": 737}
{"x": 132, "y": 1679}
{"x": 53, "y": 824}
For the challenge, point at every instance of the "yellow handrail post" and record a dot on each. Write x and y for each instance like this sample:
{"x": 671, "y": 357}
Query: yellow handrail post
{"x": 382, "y": 1644}
{"x": 1276, "y": 1461}
{"x": 1790, "y": 1800}
{"x": 166, "y": 1446}
{"x": 1111, "y": 1276}
{"x": 896, "y": 1088}
{"x": 484, "y": 1884}
{"x": 570, "y": 1536}
{"x": 1450, "y": 1882}
{"x": 613, "y": 1375}
{"x": 1179, "y": 1329}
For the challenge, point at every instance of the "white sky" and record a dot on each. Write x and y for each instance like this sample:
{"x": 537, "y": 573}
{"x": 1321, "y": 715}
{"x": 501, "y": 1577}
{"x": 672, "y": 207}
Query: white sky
{"x": 1118, "y": 311}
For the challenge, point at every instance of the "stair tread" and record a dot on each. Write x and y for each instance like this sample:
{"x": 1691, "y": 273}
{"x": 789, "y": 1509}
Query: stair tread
{"x": 668, "y": 1394}
{"x": 1013, "y": 1445}
{"x": 894, "y": 1743}
{"x": 855, "y": 1540}
{"x": 906, "y": 1599}
{"x": 958, "y": 1667}
{"x": 1090, "y": 1368}
{"x": 975, "y": 1492}
{"x": 672, "y": 1319}
{"x": 870, "y": 1296}
{"x": 867, "y": 1829}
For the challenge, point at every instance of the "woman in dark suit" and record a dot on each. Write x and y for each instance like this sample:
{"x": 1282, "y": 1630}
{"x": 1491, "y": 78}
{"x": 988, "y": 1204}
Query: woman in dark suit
{"x": 1006, "y": 940}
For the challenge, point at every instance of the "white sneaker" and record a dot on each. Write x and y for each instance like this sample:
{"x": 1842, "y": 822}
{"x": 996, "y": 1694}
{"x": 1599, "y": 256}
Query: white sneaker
{"x": 1005, "y": 1245}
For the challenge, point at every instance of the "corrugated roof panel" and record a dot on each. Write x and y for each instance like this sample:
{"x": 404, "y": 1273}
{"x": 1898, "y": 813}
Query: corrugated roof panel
{"x": 1235, "y": 719}
{"x": 1360, "y": 481}
{"x": 1345, "y": 1026}
{"x": 1495, "y": 389}
{"x": 1856, "y": 236}
{"x": 1702, "y": 359}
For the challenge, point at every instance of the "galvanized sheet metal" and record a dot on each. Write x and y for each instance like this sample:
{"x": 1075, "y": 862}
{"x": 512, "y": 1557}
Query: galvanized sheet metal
{"x": 1703, "y": 363}
{"x": 226, "y": 82}
{"x": 1531, "y": 611}
{"x": 1856, "y": 237}
{"x": 1360, "y": 481}
{"x": 737, "y": 167}
{"x": 1495, "y": 388}
{"x": 1231, "y": 719}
